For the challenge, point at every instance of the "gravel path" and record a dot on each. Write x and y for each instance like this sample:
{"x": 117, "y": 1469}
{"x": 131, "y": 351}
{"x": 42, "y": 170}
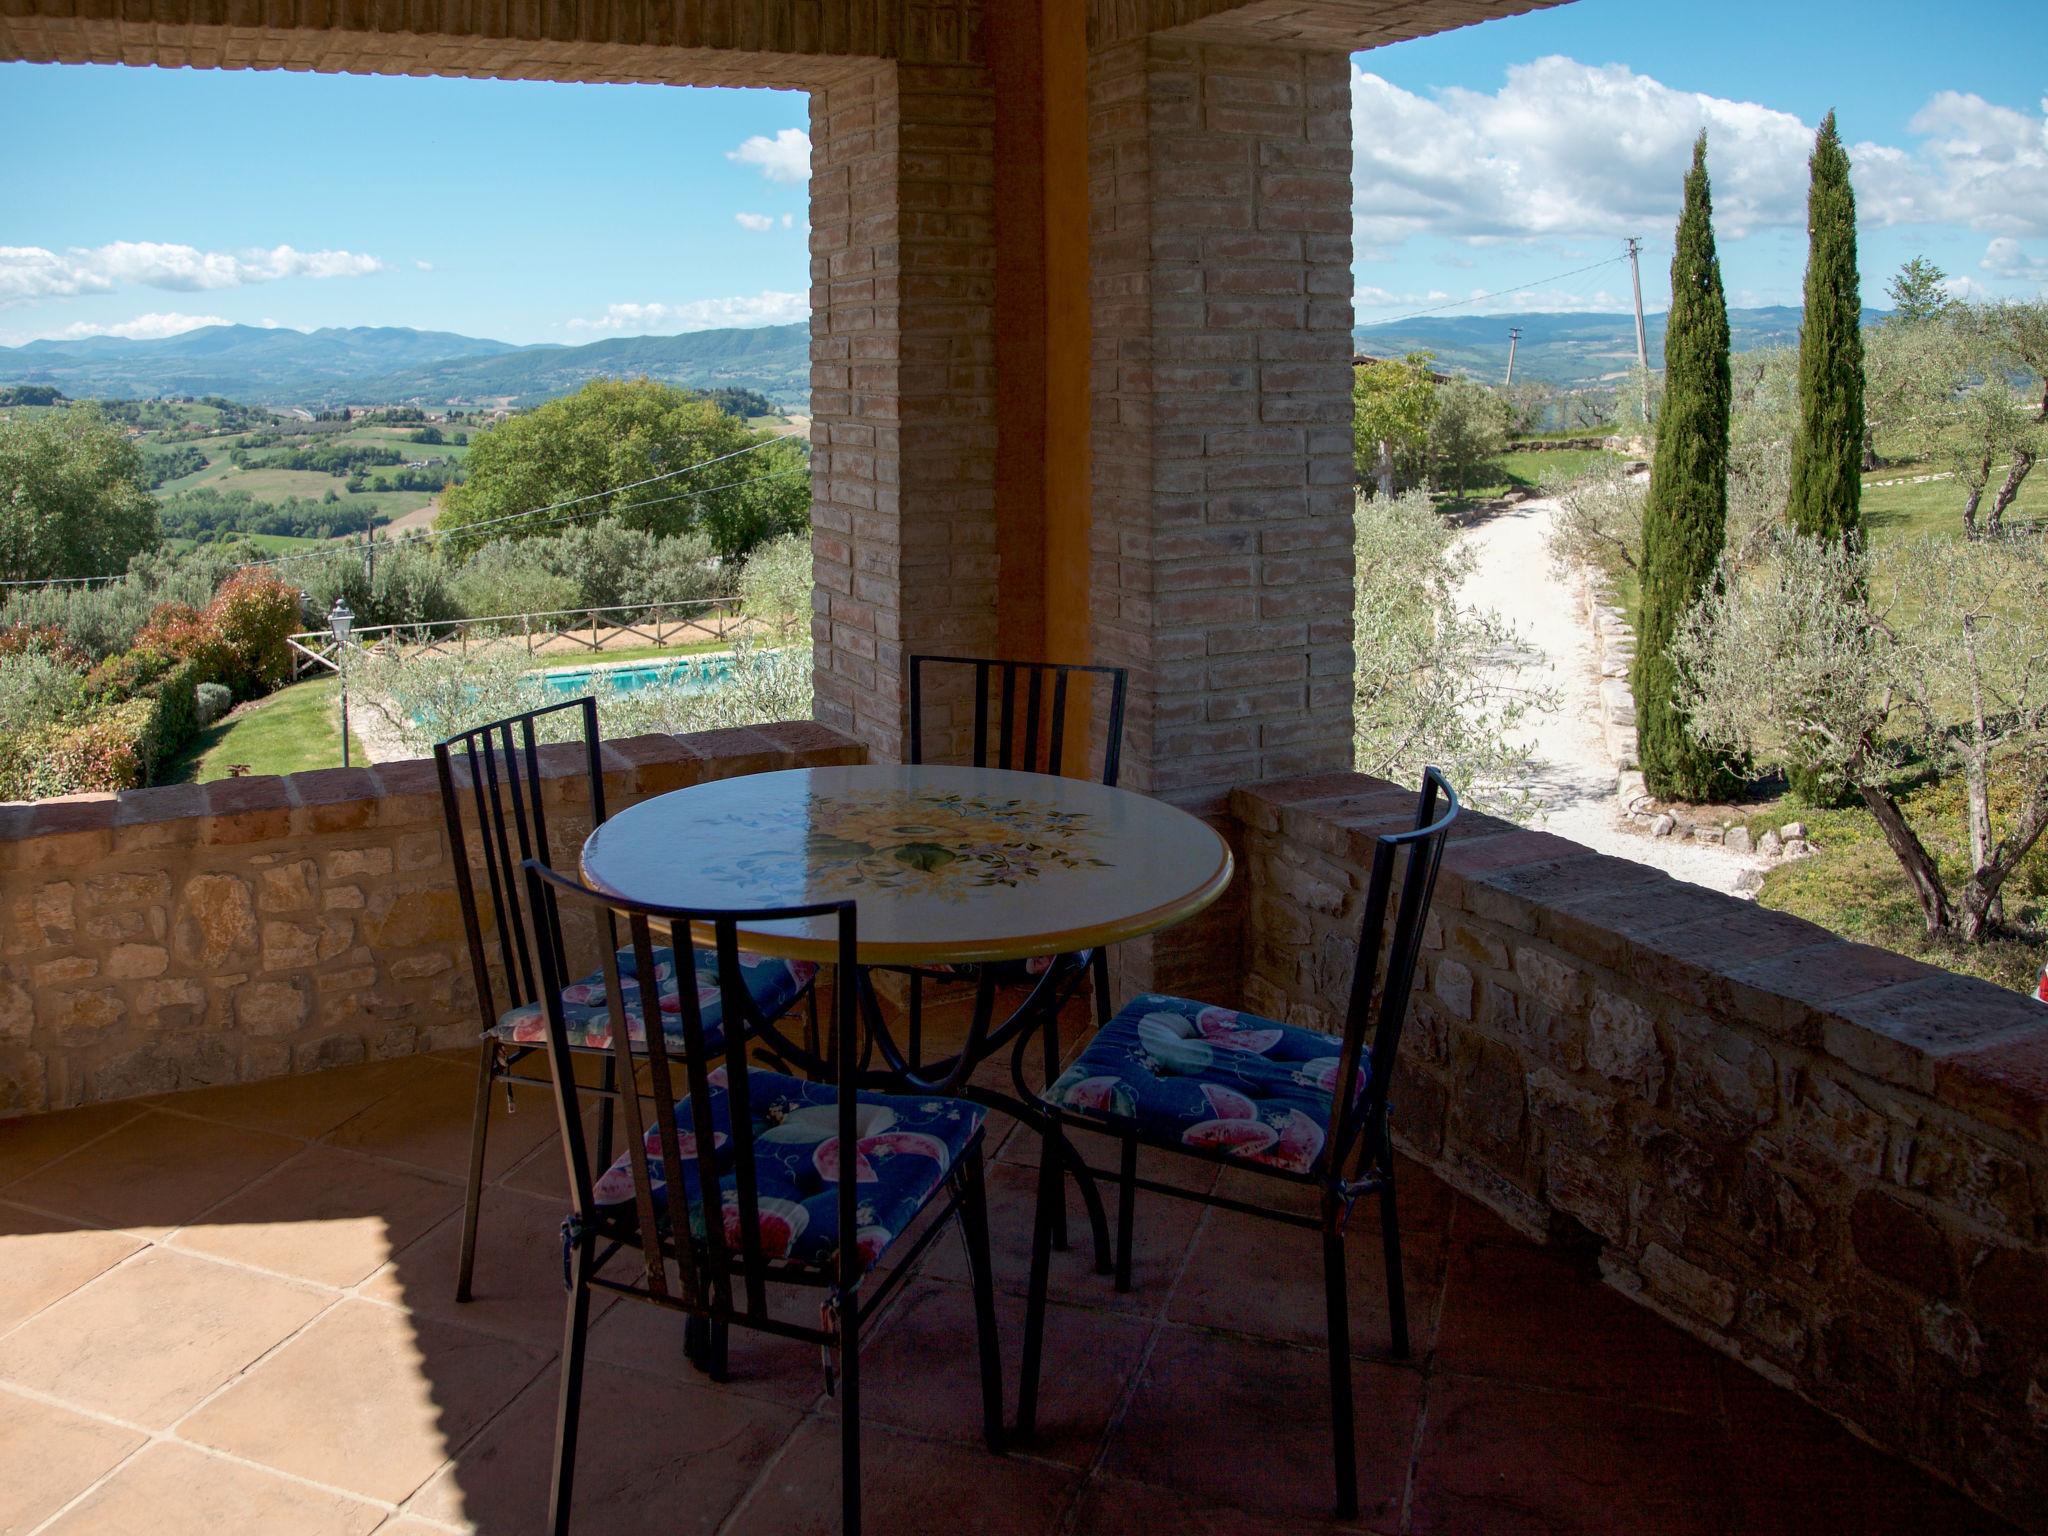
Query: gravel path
{"x": 1574, "y": 780}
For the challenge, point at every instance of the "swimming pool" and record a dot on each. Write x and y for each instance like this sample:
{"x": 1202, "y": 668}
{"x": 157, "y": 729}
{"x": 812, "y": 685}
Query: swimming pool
{"x": 694, "y": 674}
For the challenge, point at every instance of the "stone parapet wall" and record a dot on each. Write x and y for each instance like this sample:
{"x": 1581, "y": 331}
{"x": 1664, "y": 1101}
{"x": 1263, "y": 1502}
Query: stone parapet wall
{"x": 1828, "y": 1161}
{"x": 199, "y": 934}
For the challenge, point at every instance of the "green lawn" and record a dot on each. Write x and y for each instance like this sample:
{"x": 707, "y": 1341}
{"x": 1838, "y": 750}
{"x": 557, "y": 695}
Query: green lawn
{"x": 296, "y": 728}
{"x": 1534, "y": 472}
{"x": 582, "y": 658}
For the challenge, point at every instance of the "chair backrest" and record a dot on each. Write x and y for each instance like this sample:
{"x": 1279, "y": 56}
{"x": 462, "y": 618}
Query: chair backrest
{"x": 508, "y": 822}
{"x": 1029, "y": 732}
{"x": 1417, "y": 852}
{"x": 716, "y": 1251}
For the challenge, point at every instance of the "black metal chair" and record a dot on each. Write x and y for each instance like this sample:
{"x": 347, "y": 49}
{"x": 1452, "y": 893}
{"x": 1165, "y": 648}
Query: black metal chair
{"x": 509, "y": 818}
{"x": 810, "y": 1181}
{"x": 1252, "y": 1093}
{"x": 1029, "y": 735}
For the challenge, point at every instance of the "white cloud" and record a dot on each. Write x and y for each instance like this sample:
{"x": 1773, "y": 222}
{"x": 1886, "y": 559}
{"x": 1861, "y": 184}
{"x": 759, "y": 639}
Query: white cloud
{"x": 786, "y": 157}
{"x": 769, "y": 307}
{"x": 143, "y": 327}
{"x": 789, "y": 221}
{"x": 423, "y": 266}
{"x": 31, "y": 272}
{"x": 1565, "y": 148}
{"x": 2004, "y": 257}
{"x": 754, "y": 221}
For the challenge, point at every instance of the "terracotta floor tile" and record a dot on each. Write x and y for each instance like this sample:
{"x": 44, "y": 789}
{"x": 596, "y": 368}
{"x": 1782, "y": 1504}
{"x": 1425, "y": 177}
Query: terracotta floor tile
{"x": 45, "y": 1258}
{"x": 639, "y": 1337}
{"x": 1804, "y": 1472}
{"x": 411, "y": 1525}
{"x": 923, "y": 1372}
{"x": 517, "y": 1287}
{"x": 909, "y": 1487}
{"x": 426, "y": 1122}
{"x": 327, "y": 1216}
{"x": 369, "y": 1399}
{"x": 156, "y": 1172}
{"x": 1471, "y": 1222}
{"x": 653, "y": 1457}
{"x": 308, "y": 1105}
{"x": 174, "y": 1490}
{"x": 28, "y": 1142}
{"x": 1425, "y": 1201}
{"x": 1522, "y": 1313}
{"x": 1163, "y": 1228}
{"x": 1501, "y": 1458}
{"x": 1265, "y": 1279}
{"x": 1236, "y": 1421}
{"x": 1111, "y": 1506}
{"x": 51, "y": 1456}
{"x": 148, "y": 1340}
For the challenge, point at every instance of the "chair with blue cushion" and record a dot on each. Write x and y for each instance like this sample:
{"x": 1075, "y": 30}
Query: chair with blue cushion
{"x": 1293, "y": 1104}
{"x": 747, "y": 1181}
{"x": 507, "y": 820}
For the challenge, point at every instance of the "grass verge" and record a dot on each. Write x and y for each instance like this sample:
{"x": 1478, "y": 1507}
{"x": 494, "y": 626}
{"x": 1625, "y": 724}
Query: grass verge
{"x": 294, "y": 729}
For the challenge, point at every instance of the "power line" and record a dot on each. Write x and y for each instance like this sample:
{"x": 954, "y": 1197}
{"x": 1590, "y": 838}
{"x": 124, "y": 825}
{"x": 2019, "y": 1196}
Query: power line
{"x": 1480, "y": 298}
{"x": 510, "y": 517}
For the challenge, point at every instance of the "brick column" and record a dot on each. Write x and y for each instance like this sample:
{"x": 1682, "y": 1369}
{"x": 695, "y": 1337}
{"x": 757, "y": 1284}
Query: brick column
{"x": 902, "y": 385}
{"x": 1220, "y": 193}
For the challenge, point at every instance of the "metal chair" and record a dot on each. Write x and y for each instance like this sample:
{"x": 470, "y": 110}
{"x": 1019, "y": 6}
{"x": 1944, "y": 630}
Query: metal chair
{"x": 810, "y": 1182}
{"x": 509, "y": 818}
{"x": 1255, "y": 1094}
{"x": 1028, "y": 735}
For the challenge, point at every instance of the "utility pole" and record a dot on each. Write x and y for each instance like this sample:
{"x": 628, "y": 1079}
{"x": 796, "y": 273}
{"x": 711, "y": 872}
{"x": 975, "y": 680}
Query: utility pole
{"x": 1635, "y": 277}
{"x": 1514, "y": 335}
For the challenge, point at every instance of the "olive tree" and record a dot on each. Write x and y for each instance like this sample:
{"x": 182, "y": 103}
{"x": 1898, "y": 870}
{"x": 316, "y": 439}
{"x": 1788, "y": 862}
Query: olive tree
{"x": 1470, "y": 426}
{"x": 1437, "y": 681}
{"x": 73, "y": 496}
{"x": 1392, "y": 405}
{"x": 1856, "y": 664}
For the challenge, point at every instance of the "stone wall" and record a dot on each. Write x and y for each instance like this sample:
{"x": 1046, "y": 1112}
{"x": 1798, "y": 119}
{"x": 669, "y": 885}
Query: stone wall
{"x": 1828, "y": 1161}
{"x": 169, "y": 938}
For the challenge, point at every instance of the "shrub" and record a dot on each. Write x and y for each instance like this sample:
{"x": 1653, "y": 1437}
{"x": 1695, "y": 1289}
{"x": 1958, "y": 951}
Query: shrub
{"x": 254, "y": 615}
{"x": 213, "y": 701}
{"x": 35, "y": 690}
{"x": 120, "y": 678}
{"x": 504, "y": 578}
{"x": 775, "y": 588}
{"x": 41, "y": 640}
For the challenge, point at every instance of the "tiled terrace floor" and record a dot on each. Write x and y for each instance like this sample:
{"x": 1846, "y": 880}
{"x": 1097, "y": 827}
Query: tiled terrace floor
{"x": 230, "y": 1311}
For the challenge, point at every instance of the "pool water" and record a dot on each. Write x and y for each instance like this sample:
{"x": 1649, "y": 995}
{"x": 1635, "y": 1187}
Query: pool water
{"x": 693, "y": 673}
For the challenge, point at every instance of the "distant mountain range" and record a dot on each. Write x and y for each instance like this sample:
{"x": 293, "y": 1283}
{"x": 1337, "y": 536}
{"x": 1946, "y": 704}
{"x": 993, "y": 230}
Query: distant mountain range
{"x": 393, "y": 365}
{"x": 1572, "y": 351}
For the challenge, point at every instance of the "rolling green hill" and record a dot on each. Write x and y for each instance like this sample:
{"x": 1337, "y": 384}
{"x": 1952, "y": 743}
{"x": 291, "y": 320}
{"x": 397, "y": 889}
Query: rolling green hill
{"x": 1572, "y": 351}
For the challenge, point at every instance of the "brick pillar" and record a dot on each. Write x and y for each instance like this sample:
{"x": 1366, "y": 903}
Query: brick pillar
{"x": 902, "y": 385}
{"x": 1220, "y": 193}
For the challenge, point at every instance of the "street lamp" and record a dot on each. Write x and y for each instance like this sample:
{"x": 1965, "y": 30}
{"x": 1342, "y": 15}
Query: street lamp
{"x": 341, "y": 621}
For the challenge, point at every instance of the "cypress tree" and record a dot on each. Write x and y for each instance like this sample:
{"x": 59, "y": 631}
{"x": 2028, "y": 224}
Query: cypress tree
{"x": 1685, "y": 519}
{"x": 1827, "y": 450}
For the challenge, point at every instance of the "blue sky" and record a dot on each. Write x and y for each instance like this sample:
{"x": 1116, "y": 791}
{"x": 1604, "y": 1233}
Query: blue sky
{"x": 1488, "y": 159}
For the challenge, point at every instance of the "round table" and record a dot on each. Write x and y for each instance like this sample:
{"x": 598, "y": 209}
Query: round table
{"x": 949, "y": 865}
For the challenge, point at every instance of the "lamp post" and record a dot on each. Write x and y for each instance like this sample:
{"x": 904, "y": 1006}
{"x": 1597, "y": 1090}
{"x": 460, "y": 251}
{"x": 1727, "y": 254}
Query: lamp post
{"x": 341, "y": 621}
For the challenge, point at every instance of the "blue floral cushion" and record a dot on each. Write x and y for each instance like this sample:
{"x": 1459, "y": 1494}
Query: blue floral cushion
{"x": 1186, "y": 1074}
{"x": 907, "y": 1145}
{"x": 773, "y": 984}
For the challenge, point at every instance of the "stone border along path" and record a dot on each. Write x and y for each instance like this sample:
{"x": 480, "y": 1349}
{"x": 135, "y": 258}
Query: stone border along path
{"x": 1575, "y": 778}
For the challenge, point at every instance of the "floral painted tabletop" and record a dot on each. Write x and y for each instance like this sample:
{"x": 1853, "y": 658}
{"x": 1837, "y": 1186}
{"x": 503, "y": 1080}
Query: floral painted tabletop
{"x": 948, "y": 864}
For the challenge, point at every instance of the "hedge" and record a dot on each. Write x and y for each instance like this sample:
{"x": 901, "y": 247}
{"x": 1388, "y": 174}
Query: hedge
{"x": 121, "y": 745}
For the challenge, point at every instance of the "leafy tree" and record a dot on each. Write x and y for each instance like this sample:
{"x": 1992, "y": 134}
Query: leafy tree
{"x": 1827, "y": 452}
{"x": 1809, "y": 665}
{"x": 72, "y": 496}
{"x": 1469, "y": 427}
{"x": 1437, "y": 681}
{"x": 1392, "y": 405}
{"x": 587, "y": 447}
{"x": 1685, "y": 519}
{"x": 1918, "y": 291}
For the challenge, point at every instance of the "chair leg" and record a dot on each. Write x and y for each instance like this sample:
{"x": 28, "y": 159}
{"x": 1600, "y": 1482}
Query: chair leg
{"x": 718, "y": 1355}
{"x": 1126, "y": 1210}
{"x": 479, "y": 1126}
{"x": 1397, "y": 1287}
{"x": 974, "y": 1224}
{"x": 571, "y": 1401}
{"x": 849, "y": 1416}
{"x": 697, "y": 1341}
{"x": 1339, "y": 1320}
{"x": 605, "y": 1107}
{"x": 1098, "y": 962}
{"x": 914, "y": 1033}
{"x": 1049, "y": 1190}
{"x": 1049, "y": 1035}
